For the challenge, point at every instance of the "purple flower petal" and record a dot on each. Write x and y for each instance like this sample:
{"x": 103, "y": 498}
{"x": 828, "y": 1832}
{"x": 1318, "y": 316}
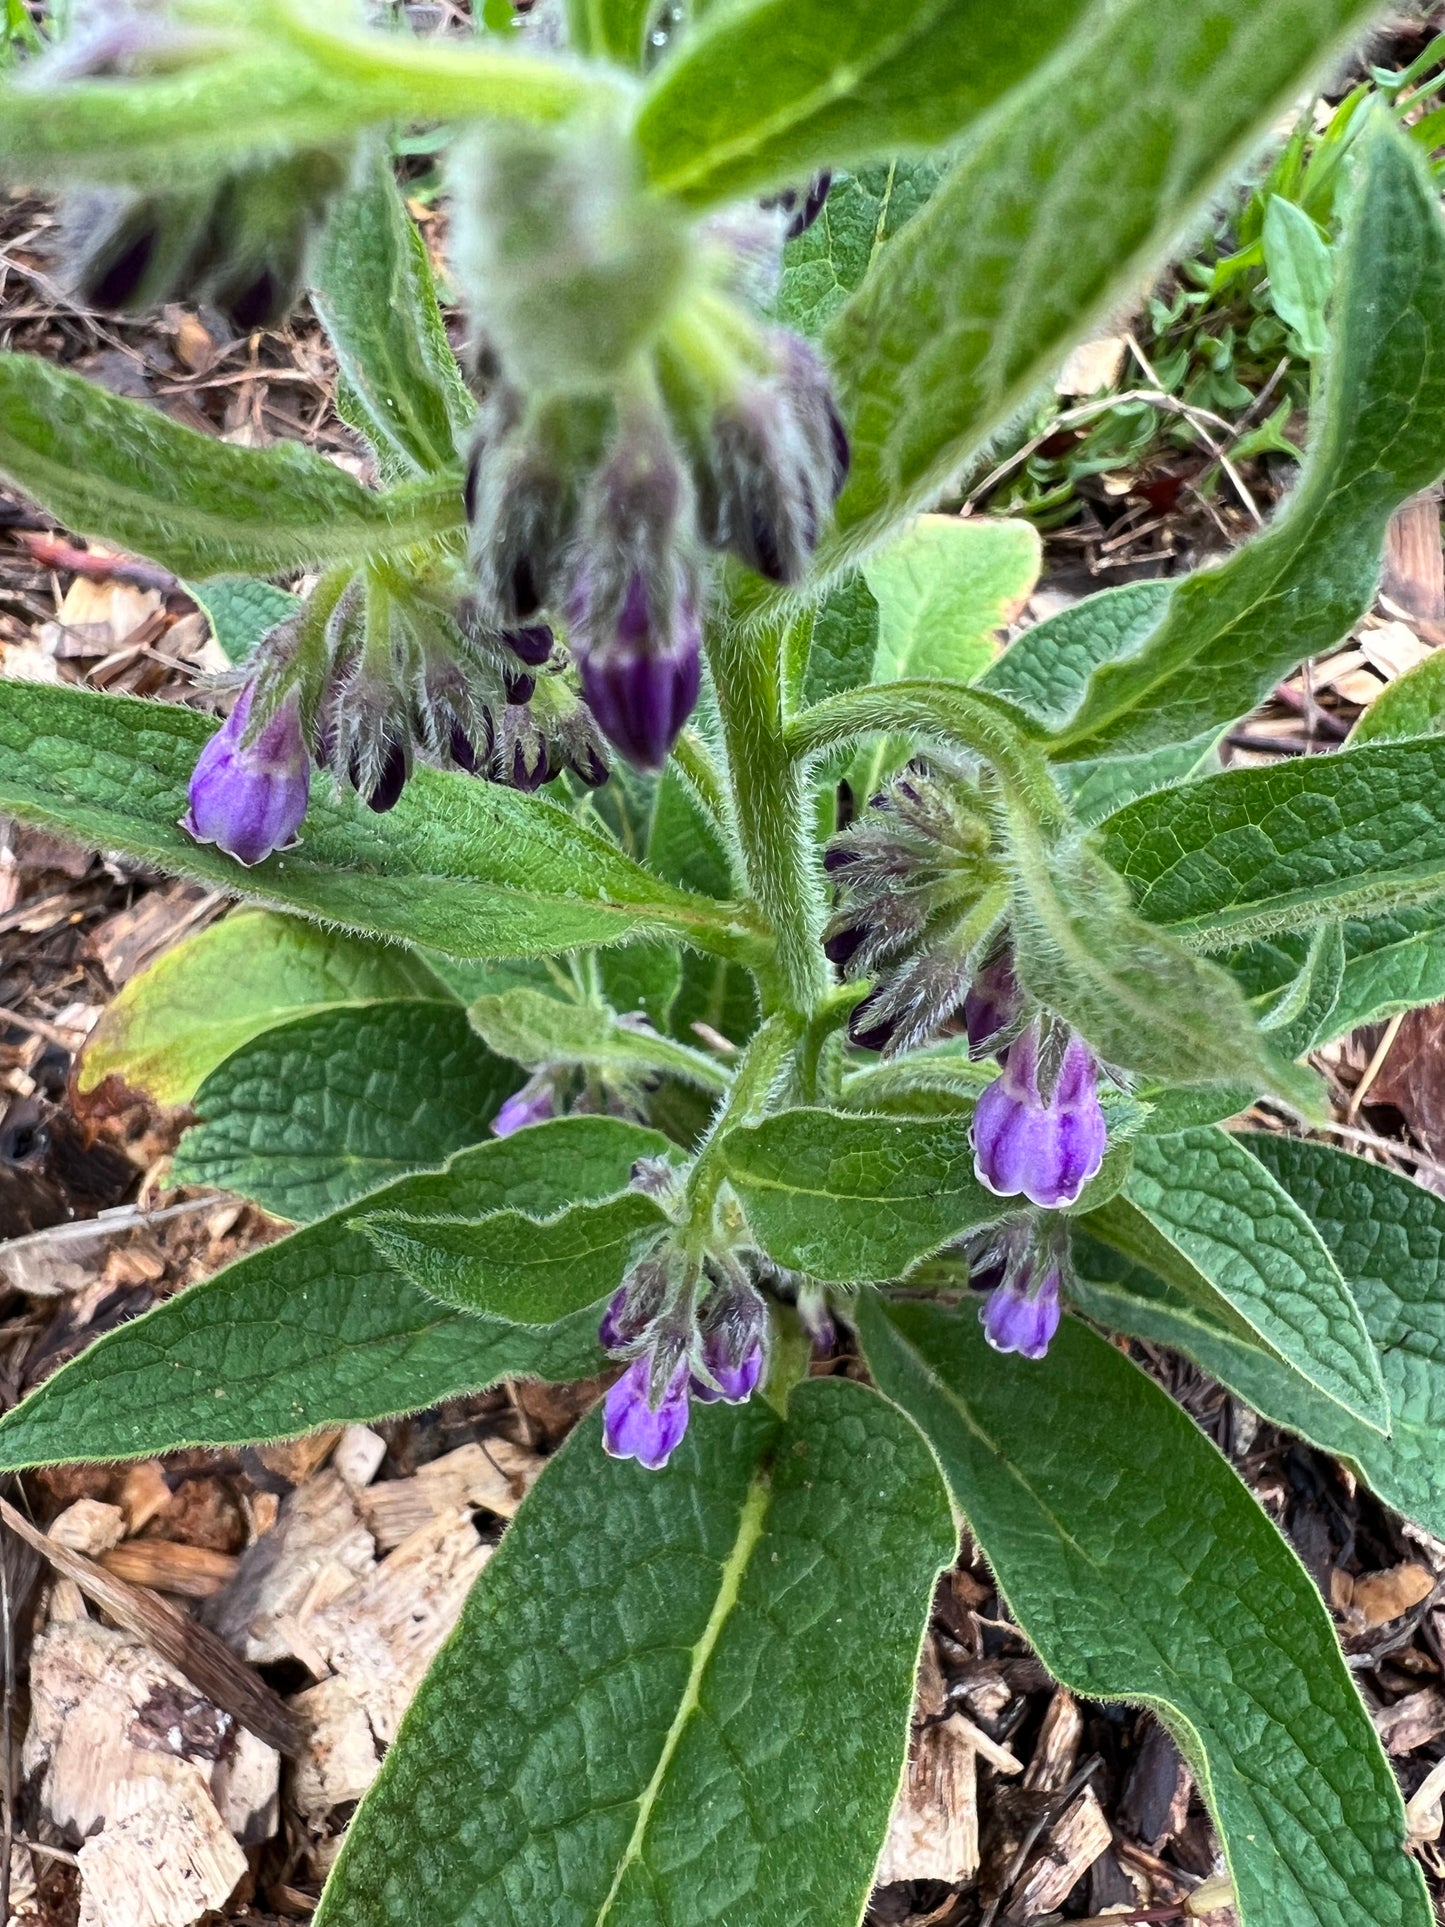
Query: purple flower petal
{"x": 1018, "y": 1319}
{"x": 535, "y": 1103}
{"x": 737, "y": 1379}
{"x": 632, "y": 1429}
{"x": 1048, "y": 1151}
{"x": 249, "y": 799}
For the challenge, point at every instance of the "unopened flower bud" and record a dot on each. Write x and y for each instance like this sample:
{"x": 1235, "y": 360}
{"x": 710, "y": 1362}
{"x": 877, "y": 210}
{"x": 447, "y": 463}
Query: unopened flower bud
{"x": 532, "y": 644}
{"x": 635, "y": 1306}
{"x": 249, "y": 799}
{"x": 641, "y": 679}
{"x": 734, "y": 1337}
{"x": 1046, "y": 1149}
{"x": 522, "y": 758}
{"x": 992, "y": 1003}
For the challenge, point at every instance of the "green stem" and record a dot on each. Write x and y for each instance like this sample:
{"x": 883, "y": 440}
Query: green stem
{"x": 980, "y": 723}
{"x": 697, "y": 768}
{"x": 756, "y": 1071}
{"x": 773, "y": 811}
{"x": 830, "y": 1016}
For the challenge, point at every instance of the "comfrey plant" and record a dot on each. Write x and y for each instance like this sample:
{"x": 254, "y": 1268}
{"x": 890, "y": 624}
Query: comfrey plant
{"x": 686, "y": 936}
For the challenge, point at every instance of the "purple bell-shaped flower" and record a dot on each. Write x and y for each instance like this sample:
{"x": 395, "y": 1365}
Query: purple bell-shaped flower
{"x": 636, "y": 1428}
{"x": 249, "y": 798}
{"x": 1045, "y": 1148}
{"x": 535, "y": 1103}
{"x": 1022, "y": 1316}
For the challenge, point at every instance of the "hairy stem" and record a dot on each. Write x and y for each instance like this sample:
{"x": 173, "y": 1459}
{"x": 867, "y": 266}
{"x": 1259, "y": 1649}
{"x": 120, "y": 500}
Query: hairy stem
{"x": 773, "y": 808}
{"x": 746, "y": 1099}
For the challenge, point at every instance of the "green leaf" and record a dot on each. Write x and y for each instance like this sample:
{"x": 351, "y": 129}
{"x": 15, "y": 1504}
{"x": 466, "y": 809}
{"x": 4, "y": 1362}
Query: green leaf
{"x": 1231, "y": 632}
{"x": 1141, "y": 1569}
{"x": 121, "y": 469}
{"x": 1096, "y": 789}
{"x": 1392, "y": 963}
{"x": 1297, "y": 260}
{"x": 842, "y": 640}
{"x": 1046, "y": 670}
{"x": 471, "y": 868}
{"x": 642, "y": 978}
{"x": 678, "y": 1695}
{"x": 241, "y": 609}
{"x": 1059, "y": 208}
{"x": 763, "y": 94}
{"x": 535, "y": 1029}
{"x": 944, "y": 587}
{"x": 173, "y": 1024}
{"x": 377, "y": 302}
{"x": 1215, "y": 1222}
{"x": 318, "y": 1330}
{"x": 1254, "y": 852}
{"x": 1412, "y": 705}
{"x": 515, "y": 1267}
{"x": 317, "y": 1112}
{"x": 855, "y": 1199}
{"x": 1294, "y": 983}
{"x": 863, "y": 211}
{"x": 1139, "y": 998}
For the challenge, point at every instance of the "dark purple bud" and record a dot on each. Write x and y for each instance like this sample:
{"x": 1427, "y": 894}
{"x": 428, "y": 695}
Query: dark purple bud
{"x": 867, "y": 1029}
{"x": 588, "y": 763}
{"x": 472, "y": 749}
{"x": 249, "y": 799}
{"x": 812, "y": 205}
{"x": 992, "y": 1003}
{"x": 635, "y": 1306}
{"x": 642, "y": 685}
{"x": 520, "y": 688}
{"x": 844, "y": 943}
{"x": 737, "y": 1378}
{"x": 1021, "y": 1317}
{"x": 633, "y": 1428}
{"x": 385, "y": 793}
{"x": 838, "y": 857}
{"x": 532, "y": 643}
{"x": 1046, "y": 1150}
{"x": 535, "y": 1103}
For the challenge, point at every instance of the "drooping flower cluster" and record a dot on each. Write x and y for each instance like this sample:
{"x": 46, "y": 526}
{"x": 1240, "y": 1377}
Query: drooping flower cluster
{"x": 920, "y": 900}
{"x": 1021, "y": 1268}
{"x": 688, "y": 1331}
{"x": 367, "y": 682}
{"x": 638, "y": 414}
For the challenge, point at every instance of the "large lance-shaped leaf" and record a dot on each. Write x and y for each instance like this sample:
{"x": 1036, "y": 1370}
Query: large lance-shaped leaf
{"x": 852, "y": 1199}
{"x": 1250, "y": 852}
{"x": 324, "y": 1109}
{"x": 175, "y": 1022}
{"x": 673, "y": 1696}
{"x": 762, "y": 94}
{"x": 1061, "y": 203}
{"x": 863, "y": 212}
{"x": 1142, "y": 1569}
{"x": 1230, "y": 633}
{"x": 472, "y": 868}
{"x": 121, "y": 469}
{"x": 1209, "y": 1219}
{"x": 375, "y": 296}
{"x": 1046, "y": 670}
{"x": 514, "y": 1266}
{"x": 318, "y": 1330}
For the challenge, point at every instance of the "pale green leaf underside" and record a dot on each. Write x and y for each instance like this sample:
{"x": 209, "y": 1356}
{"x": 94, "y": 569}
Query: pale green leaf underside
{"x": 1392, "y": 963}
{"x": 763, "y": 94}
{"x": 863, "y": 211}
{"x": 175, "y": 1022}
{"x": 853, "y": 1199}
{"x": 242, "y": 609}
{"x": 1141, "y": 1569}
{"x": 533, "y": 1029}
{"x": 471, "y": 868}
{"x": 1062, "y": 202}
{"x": 1251, "y": 852}
{"x": 107, "y": 466}
{"x": 1412, "y": 705}
{"x": 509, "y": 1265}
{"x": 317, "y": 1330}
{"x": 1230, "y": 633}
{"x": 319, "y": 1111}
{"x": 944, "y": 587}
{"x": 677, "y": 1696}
{"x": 1223, "y": 1218}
